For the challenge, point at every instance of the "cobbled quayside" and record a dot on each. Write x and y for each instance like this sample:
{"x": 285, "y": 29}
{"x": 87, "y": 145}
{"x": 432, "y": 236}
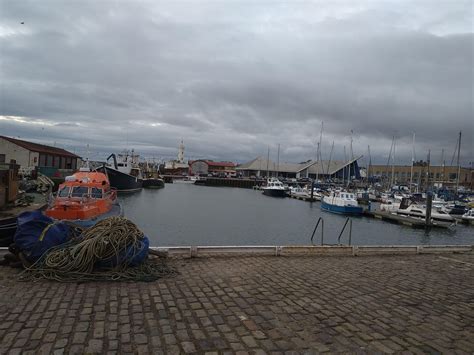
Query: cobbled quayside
{"x": 252, "y": 305}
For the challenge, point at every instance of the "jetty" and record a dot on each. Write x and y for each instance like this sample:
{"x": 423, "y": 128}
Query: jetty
{"x": 249, "y": 303}
{"x": 404, "y": 220}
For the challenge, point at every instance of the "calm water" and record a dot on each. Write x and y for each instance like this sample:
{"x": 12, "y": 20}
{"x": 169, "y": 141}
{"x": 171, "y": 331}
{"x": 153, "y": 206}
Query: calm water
{"x": 185, "y": 214}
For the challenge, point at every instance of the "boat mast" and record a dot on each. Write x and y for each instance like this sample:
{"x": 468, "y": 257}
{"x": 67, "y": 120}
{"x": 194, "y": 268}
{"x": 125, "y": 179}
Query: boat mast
{"x": 442, "y": 164}
{"x": 268, "y": 160}
{"x": 318, "y": 151}
{"x": 330, "y": 157}
{"x": 344, "y": 169}
{"x": 392, "y": 181}
{"x": 278, "y": 161}
{"x": 412, "y": 161}
{"x": 370, "y": 163}
{"x": 317, "y": 163}
{"x": 459, "y": 165}
{"x": 385, "y": 177}
{"x": 428, "y": 173}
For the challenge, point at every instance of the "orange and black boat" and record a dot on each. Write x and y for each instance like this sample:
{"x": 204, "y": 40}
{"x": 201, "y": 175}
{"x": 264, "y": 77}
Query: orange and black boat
{"x": 84, "y": 198}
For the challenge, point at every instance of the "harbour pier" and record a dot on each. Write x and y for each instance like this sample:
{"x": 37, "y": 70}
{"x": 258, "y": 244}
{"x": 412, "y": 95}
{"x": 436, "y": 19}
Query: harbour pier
{"x": 252, "y": 304}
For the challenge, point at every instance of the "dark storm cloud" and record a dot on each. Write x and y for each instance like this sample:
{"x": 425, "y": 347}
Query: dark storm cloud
{"x": 232, "y": 78}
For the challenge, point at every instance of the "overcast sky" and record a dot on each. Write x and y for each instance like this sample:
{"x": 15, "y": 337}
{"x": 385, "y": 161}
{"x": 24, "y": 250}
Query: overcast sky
{"x": 231, "y": 78}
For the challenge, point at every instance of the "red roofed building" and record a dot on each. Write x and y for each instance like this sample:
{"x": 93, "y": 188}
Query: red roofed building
{"x": 216, "y": 168}
{"x": 33, "y": 155}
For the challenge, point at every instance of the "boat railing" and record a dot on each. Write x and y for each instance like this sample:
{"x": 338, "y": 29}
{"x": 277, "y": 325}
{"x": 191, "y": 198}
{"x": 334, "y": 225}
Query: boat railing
{"x": 84, "y": 199}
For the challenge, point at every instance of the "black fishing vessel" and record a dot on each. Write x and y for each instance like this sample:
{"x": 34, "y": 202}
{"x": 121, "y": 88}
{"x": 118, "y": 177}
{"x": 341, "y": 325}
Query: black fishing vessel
{"x": 125, "y": 174}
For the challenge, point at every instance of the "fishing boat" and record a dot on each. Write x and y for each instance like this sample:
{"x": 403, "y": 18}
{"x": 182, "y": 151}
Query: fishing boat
{"x": 84, "y": 198}
{"x": 341, "y": 202}
{"x": 274, "y": 188}
{"x": 125, "y": 173}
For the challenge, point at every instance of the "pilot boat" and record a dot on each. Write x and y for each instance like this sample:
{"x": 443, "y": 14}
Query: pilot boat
{"x": 341, "y": 202}
{"x": 84, "y": 198}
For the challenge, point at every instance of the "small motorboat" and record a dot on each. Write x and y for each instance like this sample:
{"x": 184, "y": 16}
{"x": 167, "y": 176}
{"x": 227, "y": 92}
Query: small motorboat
{"x": 85, "y": 198}
{"x": 341, "y": 202}
{"x": 419, "y": 211}
{"x": 298, "y": 191}
{"x": 187, "y": 180}
{"x": 468, "y": 217}
{"x": 274, "y": 188}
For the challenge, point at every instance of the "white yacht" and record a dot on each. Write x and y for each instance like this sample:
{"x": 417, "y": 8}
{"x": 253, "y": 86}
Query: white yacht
{"x": 274, "y": 188}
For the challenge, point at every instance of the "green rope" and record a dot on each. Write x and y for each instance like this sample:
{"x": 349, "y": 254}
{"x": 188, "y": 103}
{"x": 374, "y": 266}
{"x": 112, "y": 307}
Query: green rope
{"x": 76, "y": 260}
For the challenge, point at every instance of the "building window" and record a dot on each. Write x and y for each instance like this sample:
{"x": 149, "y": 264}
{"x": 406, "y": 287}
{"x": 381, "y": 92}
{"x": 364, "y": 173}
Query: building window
{"x": 437, "y": 176}
{"x": 42, "y": 159}
{"x": 2, "y": 158}
{"x": 453, "y": 176}
{"x": 49, "y": 160}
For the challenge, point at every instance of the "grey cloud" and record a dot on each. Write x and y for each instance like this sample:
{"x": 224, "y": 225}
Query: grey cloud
{"x": 231, "y": 79}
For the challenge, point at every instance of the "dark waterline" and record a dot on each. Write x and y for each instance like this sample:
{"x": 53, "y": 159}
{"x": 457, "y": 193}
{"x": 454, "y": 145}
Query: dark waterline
{"x": 185, "y": 214}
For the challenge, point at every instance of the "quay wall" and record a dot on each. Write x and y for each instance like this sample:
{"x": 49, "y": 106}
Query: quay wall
{"x": 314, "y": 250}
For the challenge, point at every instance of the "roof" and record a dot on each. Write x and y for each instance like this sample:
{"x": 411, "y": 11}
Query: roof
{"x": 40, "y": 148}
{"x": 322, "y": 167}
{"x": 215, "y": 163}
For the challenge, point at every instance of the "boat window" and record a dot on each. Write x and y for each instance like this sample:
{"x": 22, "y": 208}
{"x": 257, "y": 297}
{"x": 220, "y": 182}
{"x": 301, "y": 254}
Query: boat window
{"x": 79, "y": 191}
{"x": 64, "y": 192}
{"x": 119, "y": 164}
{"x": 96, "y": 193}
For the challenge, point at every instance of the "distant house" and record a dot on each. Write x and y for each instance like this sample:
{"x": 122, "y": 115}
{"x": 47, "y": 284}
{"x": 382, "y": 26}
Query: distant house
{"x": 36, "y": 156}
{"x": 205, "y": 167}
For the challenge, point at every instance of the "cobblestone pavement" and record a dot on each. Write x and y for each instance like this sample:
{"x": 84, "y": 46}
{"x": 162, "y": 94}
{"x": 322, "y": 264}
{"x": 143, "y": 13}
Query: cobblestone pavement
{"x": 252, "y": 304}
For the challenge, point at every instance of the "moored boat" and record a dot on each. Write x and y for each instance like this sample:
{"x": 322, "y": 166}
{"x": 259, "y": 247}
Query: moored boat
{"x": 125, "y": 174}
{"x": 153, "y": 183}
{"x": 274, "y": 188}
{"x": 298, "y": 191}
{"x": 468, "y": 217}
{"x": 85, "y": 198}
{"x": 341, "y": 202}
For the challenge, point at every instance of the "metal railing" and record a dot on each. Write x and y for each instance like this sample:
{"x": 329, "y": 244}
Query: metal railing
{"x": 320, "y": 219}
{"x": 342, "y": 231}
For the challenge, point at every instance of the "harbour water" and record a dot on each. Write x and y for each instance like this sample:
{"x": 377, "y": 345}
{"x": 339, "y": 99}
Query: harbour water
{"x": 186, "y": 214}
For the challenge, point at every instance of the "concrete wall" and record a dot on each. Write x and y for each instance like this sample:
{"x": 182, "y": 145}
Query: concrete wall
{"x": 23, "y": 156}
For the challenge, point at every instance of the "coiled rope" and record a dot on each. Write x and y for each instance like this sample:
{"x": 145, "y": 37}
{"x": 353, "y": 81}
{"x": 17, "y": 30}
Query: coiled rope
{"x": 111, "y": 239}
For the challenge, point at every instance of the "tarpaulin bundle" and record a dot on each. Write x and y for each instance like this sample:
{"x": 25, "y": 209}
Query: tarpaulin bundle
{"x": 37, "y": 233}
{"x": 113, "y": 249}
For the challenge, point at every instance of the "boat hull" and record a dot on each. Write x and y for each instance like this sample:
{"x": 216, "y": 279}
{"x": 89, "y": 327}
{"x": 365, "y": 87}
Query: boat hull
{"x": 121, "y": 181}
{"x": 116, "y": 210}
{"x": 153, "y": 183}
{"x": 274, "y": 193}
{"x": 347, "y": 210}
{"x": 7, "y": 230}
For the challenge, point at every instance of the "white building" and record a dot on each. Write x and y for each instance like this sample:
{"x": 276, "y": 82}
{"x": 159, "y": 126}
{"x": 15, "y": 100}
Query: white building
{"x": 32, "y": 155}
